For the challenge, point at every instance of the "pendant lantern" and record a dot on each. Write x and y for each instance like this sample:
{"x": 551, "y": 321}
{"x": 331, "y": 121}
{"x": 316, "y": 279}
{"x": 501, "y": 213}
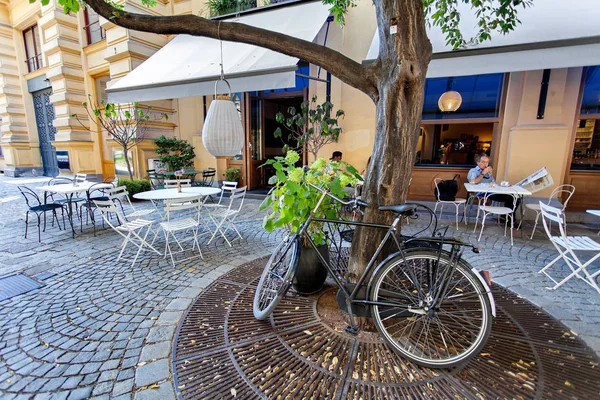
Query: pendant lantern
{"x": 450, "y": 101}
{"x": 222, "y": 134}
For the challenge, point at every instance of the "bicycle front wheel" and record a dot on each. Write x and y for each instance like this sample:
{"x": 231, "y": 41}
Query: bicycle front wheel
{"x": 436, "y": 334}
{"x": 276, "y": 278}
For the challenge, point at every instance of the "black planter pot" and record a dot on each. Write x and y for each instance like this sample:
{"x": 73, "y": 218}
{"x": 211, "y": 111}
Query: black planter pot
{"x": 311, "y": 273}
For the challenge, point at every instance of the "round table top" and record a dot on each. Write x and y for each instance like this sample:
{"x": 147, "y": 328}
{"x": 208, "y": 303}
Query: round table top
{"x": 169, "y": 194}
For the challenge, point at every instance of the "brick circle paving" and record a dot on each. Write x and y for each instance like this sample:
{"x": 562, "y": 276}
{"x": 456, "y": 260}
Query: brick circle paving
{"x": 222, "y": 351}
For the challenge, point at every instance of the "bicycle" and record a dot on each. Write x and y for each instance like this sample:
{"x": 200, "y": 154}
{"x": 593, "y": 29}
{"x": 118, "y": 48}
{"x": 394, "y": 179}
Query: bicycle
{"x": 428, "y": 304}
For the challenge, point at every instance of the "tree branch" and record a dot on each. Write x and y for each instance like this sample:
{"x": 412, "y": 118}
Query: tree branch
{"x": 344, "y": 68}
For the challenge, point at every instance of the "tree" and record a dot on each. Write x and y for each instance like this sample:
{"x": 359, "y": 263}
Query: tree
{"x": 394, "y": 82}
{"x": 126, "y": 124}
{"x": 311, "y": 128}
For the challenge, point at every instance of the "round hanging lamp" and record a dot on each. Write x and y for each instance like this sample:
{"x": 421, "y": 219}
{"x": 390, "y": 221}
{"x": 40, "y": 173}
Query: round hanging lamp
{"x": 450, "y": 101}
{"x": 222, "y": 134}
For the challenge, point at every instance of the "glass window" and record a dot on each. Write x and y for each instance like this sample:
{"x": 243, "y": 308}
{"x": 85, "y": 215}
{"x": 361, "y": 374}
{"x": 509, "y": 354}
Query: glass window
{"x": 100, "y": 86}
{"x": 453, "y": 144}
{"x": 33, "y": 48}
{"x": 481, "y": 96}
{"x": 586, "y": 151}
{"x": 94, "y": 32}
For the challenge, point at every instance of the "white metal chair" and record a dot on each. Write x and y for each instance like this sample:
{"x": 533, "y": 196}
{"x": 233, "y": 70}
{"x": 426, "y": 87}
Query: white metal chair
{"x": 508, "y": 212}
{"x": 132, "y": 231}
{"x": 171, "y": 227}
{"x": 226, "y": 215}
{"x": 457, "y": 202}
{"x": 567, "y": 246}
{"x": 555, "y": 197}
{"x": 121, "y": 195}
{"x": 172, "y": 183}
{"x": 228, "y": 186}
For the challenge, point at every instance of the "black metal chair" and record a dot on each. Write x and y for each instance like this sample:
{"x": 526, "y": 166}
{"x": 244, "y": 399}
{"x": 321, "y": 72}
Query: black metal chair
{"x": 63, "y": 181}
{"x": 208, "y": 177}
{"x": 97, "y": 191}
{"x": 39, "y": 208}
{"x": 156, "y": 179}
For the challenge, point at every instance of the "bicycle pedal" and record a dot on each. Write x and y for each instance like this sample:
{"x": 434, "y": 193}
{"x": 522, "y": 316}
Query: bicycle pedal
{"x": 352, "y": 330}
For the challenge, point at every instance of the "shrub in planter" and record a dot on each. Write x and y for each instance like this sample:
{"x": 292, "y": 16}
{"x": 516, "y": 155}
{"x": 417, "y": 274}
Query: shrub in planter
{"x": 292, "y": 200}
{"x": 135, "y": 186}
{"x": 232, "y": 174}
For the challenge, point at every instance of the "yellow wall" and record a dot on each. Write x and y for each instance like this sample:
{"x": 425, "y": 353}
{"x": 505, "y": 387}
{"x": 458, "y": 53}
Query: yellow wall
{"x": 528, "y": 143}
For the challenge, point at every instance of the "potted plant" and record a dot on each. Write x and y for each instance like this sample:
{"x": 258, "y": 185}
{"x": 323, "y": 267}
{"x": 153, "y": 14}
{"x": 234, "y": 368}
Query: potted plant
{"x": 232, "y": 175}
{"x": 291, "y": 202}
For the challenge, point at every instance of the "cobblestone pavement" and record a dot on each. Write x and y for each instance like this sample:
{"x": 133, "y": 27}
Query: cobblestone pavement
{"x": 99, "y": 328}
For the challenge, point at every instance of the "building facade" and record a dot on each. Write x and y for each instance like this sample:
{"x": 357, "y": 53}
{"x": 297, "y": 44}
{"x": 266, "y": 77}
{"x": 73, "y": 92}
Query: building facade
{"x": 530, "y": 103}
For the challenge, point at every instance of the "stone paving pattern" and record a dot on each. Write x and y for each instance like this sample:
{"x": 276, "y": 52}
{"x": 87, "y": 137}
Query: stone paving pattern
{"x": 103, "y": 329}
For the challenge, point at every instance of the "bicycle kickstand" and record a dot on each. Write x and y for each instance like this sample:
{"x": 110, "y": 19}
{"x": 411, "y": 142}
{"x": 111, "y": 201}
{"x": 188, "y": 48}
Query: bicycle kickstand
{"x": 352, "y": 329}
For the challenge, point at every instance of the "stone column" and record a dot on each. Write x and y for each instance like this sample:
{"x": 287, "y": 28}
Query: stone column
{"x": 63, "y": 51}
{"x": 19, "y": 155}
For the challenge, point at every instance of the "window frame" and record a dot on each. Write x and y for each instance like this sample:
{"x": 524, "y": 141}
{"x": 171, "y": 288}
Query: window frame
{"x": 36, "y": 59}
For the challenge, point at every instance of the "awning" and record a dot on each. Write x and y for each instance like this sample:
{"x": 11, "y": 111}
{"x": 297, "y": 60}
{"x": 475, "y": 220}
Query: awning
{"x": 189, "y": 65}
{"x": 552, "y": 34}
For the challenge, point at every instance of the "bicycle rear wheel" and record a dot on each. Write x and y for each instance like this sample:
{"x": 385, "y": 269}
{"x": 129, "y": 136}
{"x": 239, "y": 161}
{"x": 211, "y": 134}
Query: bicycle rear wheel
{"x": 276, "y": 278}
{"x": 437, "y": 335}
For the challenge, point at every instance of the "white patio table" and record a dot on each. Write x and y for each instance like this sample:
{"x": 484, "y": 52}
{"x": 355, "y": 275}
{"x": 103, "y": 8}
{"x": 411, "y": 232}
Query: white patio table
{"x": 173, "y": 194}
{"x": 498, "y": 189}
{"x": 69, "y": 190}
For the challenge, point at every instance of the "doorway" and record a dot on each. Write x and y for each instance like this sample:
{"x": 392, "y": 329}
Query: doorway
{"x": 260, "y": 125}
{"x": 44, "y": 115}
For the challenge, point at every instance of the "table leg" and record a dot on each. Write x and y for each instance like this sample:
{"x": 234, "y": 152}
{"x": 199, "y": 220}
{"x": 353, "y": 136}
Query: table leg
{"x": 70, "y": 212}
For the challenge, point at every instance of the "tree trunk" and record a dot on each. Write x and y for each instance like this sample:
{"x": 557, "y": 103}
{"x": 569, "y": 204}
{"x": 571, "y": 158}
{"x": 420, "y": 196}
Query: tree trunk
{"x": 126, "y": 152}
{"x": 398, "y": 116}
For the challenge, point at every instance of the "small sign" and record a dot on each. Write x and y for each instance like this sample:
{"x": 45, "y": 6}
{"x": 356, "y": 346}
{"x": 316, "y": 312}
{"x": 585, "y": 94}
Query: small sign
{"x": 393, "y": 29}
{"x": 62, "y": 159}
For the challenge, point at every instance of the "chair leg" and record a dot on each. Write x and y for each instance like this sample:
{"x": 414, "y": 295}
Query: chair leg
{"x": 482, "y": 226}
{"x": 26, "y": 223}
{"x": 456, "y": 205}
{"x": 512, "y": 225}
{"x": 39, "y": 223}
{"x": 477, "y": 219}
{"x": 537, "y": 217}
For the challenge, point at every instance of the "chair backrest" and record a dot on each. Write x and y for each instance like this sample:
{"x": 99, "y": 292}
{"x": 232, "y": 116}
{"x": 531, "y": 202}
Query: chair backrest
{"x": 208, "y": 176}
{"x": 554, "y": 214}
{"x": 106, "y": 207}
{"x": 156, "y": 180}
{"x": 98, "y": 190}
{"x": 186, "y": 203}
{"x": 119, "y": 193}
{"x": 80, "y": 178}
{"x": 59, "y": 181}
{"x": 508, "y": 191}
{"x": 172, "y": 183}
{"x": 228, "y": 186}
{"x": 31, "y": 197}
{"x": 237, "y": 196}
{"x": 559, "y": 192}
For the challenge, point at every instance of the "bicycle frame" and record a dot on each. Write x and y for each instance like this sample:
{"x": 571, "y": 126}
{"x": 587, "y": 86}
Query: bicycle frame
{"x": 391, "y": 230}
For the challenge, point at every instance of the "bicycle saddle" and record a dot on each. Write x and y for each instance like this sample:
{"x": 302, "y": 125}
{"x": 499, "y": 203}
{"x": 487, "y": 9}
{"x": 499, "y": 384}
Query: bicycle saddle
{"x": 403, "y": 209}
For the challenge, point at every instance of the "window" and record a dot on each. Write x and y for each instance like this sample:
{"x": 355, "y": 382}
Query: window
{"x": 33, "y": 48}
{"x": 94, "y": 32}
{"x": 481, "y": 96}
{"x": 453, "y": 144}
{"x": 586, "y": 150}
{"x": 100, "y": 86}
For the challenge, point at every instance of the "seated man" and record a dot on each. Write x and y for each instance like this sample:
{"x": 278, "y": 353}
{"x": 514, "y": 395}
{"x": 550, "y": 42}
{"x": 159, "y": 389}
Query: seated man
{"x": 482, "y": 173}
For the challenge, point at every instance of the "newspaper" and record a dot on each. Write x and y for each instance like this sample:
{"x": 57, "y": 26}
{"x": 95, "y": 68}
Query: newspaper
{"x": 537, "y": 181}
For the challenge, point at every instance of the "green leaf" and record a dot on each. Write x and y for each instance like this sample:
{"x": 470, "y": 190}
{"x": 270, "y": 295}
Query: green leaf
{"x": 277, "y": 133}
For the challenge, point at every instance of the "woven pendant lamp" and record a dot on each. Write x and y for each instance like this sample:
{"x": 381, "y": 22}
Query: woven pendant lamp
{"x": 222, "y": 134}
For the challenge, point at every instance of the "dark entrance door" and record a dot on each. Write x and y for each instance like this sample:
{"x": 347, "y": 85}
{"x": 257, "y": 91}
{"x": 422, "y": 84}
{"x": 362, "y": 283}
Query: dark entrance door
{"x": 44, "y": 115}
